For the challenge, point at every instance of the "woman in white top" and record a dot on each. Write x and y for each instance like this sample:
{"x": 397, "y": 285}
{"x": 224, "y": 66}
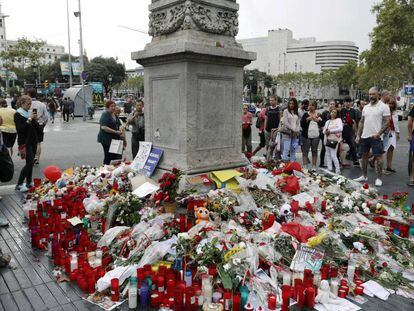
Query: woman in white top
{"x": 333, "y": 135}
{"x": 391, "y": 136}
{"x": 290, "y": 130}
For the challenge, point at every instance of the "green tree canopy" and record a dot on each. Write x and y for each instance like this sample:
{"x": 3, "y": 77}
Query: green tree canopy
{"x": 100, "y": 68}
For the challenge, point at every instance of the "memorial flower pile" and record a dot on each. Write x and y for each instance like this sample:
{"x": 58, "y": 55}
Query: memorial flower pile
{"x": 281, "y": 233}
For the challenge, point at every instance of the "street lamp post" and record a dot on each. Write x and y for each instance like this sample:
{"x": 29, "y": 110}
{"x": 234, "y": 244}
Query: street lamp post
{"x": 69, "y": 56}
{"x": 110, "y": 85}
{"x": 79, "y": 15}
{"x": 251, "y": 86}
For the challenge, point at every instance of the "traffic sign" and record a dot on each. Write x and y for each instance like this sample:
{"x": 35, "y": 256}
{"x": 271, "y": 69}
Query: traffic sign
{"x": 85, "y": 75}
{"x": 409, "y": 90}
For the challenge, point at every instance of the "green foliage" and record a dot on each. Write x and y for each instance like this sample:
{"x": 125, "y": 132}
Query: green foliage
{"x": 13, "y": 91}
{"x": 346, "y": 75}
{"x": 133, "y": 83}
{"x": 24, "y": 52}
{"x": 258, "y": 76}
{"x": 390, "y": 61}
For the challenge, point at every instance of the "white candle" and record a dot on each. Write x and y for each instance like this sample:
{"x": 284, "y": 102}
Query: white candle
{"x": 334, "y": 287}
{"x": 286, "y": 278}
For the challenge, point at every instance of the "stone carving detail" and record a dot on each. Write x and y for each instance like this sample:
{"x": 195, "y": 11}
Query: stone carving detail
{"x": 194, "y": 16}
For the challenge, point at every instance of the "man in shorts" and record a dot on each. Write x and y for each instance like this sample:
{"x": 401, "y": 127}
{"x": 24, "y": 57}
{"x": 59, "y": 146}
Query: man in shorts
{"x": 374, "y": 122}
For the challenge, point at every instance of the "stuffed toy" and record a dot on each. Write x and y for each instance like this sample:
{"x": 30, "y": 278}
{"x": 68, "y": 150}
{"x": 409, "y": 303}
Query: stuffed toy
{"x": 202, "y": 214}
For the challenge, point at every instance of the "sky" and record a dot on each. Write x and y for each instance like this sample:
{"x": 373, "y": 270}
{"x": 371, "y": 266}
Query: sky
{"x": 349, "y": 20}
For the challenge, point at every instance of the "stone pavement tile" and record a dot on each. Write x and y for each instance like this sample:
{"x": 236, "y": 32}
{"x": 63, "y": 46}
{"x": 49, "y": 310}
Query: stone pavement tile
{"x": 11, "y": 281}
{"x": 22, "y": 301}
{"x": 3, "y": 286}
{"x": 35, "y": 299}
{"x": 8, "y": 302}
{"x": 68, "y": 307}
{"x": 58, "y": 293}
{"x": 46, "y": 296}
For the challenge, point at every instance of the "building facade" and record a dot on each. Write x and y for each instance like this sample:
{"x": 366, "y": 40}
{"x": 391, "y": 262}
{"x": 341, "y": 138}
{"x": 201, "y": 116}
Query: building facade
{"x": 280, "y": 53}
{"x": 137, "y": 72}
{"x": 50, "y": 52}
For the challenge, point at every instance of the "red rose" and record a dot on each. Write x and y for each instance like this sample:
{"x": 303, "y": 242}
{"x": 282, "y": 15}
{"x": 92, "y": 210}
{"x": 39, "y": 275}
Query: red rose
{"x": 385, "y": 197}
{"x": 197, "y": 238}
{"x": 167, "y": 184}
{"x": 384, "y": 264}
{"x": 366, "y": 186}
{"x": 384, "y": 212}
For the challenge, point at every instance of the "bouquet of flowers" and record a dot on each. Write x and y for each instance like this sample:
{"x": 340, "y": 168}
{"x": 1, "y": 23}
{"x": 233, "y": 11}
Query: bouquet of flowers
{"x": 168, "y": 187}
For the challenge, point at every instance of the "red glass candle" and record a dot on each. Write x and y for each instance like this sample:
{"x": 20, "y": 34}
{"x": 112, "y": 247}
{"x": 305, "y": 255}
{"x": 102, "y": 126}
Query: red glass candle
{"x": 182, "y": 223}
{"x": 342, "y": 293}
{"x": 358, "y": 282}
{"x": 359, "y": 290}
{"x": 189, "y": 299}
{"x": 271, "y": 302}
{"x": 301, "y": 296}
{"x": 310, "y": 297}
{"x": 344, "y": 282}
{"x": 324, "y": 272}
{"x": 286, "y": 293}
{"x": 297, "y": 283}
{"x": 307, "y": 278}
{"x": 160, "y": 284}
{"x": 236, "y": 301}
{"x": 170, "y": 287}
{"x": 345, "y": 288}
{"x": 155, "y": 301}
{"x": 115, "y": 289}
{"x": 333, "y": 273}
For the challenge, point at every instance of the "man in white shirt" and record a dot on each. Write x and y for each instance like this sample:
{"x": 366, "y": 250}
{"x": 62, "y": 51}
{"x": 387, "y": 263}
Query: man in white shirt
{"x": 374, "y": 122}
{"x": 42, "y": 118}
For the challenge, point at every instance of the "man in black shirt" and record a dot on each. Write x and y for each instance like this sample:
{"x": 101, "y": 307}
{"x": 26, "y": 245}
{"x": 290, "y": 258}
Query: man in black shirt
{"x": 128, "y": 106}
{"x": 411, "y": 140}
{"x": 349, "y": 116}
{"x": 272, "y": 120}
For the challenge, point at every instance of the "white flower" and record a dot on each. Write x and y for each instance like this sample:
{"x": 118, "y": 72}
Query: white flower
{"x": 336, "y": 199}
{"x": 366, "y": 191}
{"x": 227, "y": 267}
{"x": 242, "y": 245}
{"x": 379, "y": 205}
{"x": 236, "y": 261}
{"x": 364, "y": 205}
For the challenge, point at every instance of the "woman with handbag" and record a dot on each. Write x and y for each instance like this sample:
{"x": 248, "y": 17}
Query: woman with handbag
{"x": 311, "y": 124}
{"x": 109, "y": 130}
{"x": 27, "y": 129}
{"x": 333, "y": 135}
{"x": 290, "y": 131}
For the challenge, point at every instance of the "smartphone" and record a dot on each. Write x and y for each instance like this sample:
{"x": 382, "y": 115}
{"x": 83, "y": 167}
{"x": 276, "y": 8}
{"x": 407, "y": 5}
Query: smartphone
{"x": 34, "y": 110}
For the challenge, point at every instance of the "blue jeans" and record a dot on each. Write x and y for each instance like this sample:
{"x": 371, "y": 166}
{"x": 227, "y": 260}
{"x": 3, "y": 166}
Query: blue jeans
{"x": 289, "y": 147}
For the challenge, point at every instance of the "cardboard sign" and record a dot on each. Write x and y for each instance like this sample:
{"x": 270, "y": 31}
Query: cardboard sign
{"x": 142, "y": 186}
{"x": 142, "y": 155}
{"x": 226, "y": 179}
{"x": 307, "y": 258}
{"x": 152, "y": 162}
{"x": 117, "y": 146}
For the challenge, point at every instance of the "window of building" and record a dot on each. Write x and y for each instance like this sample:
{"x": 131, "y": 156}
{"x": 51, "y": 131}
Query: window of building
{"x": 48, "y": 49}
{"x": 2, "y": 36}
{"x": 1, "y": 23}
{"x": 53, "y": 50}
{"x": 55, "y": 57}
{"x": 50, "y": 56}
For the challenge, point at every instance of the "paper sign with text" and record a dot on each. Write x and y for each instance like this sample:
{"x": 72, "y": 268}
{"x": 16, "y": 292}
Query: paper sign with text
{"x": 307, "y": 258}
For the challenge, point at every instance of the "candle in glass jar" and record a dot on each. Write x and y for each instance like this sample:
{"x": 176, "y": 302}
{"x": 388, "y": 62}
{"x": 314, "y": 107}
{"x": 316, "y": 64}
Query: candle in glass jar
{"x": 342, "y": 293}
{"x": 286, "y": 278}
{"x": 310, "y": 297}
{"x": 182, "y": 223}
{"x": 236, "y": 302}
{"x": 334, "y": 287}
{"x": 271, "y": 302}
{"x": 115, "y": 289}
{"x": 359, "y": 290}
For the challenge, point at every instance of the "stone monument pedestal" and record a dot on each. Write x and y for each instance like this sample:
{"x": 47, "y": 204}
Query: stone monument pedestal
{"x": 193, "y": 72}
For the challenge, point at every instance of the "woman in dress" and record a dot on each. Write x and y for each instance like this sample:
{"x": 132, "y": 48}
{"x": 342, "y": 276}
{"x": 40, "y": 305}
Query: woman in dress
{"x": 332, "y": 137}
{"x": 392, "y": 136}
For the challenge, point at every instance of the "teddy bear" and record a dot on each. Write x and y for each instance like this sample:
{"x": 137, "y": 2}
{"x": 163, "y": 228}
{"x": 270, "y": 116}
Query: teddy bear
{"x": 202, "y": 214}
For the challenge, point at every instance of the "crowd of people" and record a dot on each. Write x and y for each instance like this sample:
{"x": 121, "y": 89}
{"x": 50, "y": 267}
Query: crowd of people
{"x": 345, "y": 134}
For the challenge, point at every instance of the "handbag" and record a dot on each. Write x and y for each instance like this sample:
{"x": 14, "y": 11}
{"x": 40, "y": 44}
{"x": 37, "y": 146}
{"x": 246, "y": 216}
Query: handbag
{"x": 6, "y": 163}
{"x": 21, "y": 150}
{"x": 330, "y": 143}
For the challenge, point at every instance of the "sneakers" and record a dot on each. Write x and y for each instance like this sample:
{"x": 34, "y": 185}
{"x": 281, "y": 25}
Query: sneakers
{"x": 3, "y": 222}
{"x": 22, "y": 188}
{"x": 361, "y": 179}
{"x": 378, "y": 182}
{"x": 31, "y": 185}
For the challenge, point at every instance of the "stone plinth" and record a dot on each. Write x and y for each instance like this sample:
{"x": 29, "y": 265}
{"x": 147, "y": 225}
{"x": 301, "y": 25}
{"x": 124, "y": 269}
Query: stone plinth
{"x": 193, "y": 71}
